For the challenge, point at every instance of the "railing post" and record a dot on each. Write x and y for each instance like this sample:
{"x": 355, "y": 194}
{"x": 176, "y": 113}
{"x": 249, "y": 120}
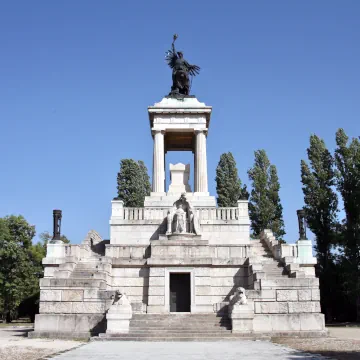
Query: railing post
{"x": 117, "y": 209}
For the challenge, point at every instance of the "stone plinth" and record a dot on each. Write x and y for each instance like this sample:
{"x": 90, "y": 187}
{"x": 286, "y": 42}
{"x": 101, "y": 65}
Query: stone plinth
{"x": 118, "y": 319}
{"x": 55, "y": 249}
{"x": 181, "y": 237}
{"x": 242, "y": 317}
{"x": 179, "y": 176}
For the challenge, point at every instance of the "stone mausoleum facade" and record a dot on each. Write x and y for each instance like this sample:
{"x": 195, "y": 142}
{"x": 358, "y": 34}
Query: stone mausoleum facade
{"x": 179, "y": 259}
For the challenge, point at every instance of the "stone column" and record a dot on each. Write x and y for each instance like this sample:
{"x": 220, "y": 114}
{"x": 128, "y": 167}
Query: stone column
{"x": 195, "y": 168}
{"x": 201, "y": 181}
{"x": 158, "y": 162}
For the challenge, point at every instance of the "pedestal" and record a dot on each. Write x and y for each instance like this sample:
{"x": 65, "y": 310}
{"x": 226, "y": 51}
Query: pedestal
{"x": 242, "y": 317}
{"x": 118, "y": 319}
{"x": 55, "y": 249}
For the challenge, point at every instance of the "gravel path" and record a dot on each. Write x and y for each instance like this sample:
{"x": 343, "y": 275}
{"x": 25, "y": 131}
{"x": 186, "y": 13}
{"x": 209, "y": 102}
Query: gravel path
{"x": 343, "y": 343}
{"x": 14, "y": 345}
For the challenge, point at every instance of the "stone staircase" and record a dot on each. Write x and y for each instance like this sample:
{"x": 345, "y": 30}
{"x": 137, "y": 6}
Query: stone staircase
{"x": 274, "y": 270}
{"x": 89, "y": 269}
{"x": 176, "y": 327}
{"x": 259, "y": 248}
{"x": 266, "y": 266}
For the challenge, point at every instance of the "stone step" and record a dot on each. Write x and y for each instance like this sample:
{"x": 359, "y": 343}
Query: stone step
{"x": 177, "y": 334}
{"x": 178, "y": 324}
{"x": 189, "y": 316}
{"x": 148, "y": 327}
{"x": 234, "y": 337}
{"x": 157, "y": 330}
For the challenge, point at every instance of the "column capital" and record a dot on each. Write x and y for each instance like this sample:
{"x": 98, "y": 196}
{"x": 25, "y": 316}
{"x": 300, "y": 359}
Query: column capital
{"x": 202, "y": 131}
{"x": 154, "y": 132}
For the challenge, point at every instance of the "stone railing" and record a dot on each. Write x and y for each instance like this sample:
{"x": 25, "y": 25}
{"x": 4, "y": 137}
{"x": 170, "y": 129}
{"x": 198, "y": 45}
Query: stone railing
{"x": 147, "y": 213}
{"x": 298, "y": 257}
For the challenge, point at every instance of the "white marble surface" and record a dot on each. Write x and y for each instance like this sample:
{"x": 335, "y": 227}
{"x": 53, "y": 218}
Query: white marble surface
{"x": 179, "y": 177}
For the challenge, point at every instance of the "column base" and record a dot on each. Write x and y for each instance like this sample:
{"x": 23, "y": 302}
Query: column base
{"x": 199, "y": 193}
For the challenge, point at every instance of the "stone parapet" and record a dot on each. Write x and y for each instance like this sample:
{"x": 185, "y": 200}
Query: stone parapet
{"x": 299, "y": 253}
{"x": 69, "y": 326}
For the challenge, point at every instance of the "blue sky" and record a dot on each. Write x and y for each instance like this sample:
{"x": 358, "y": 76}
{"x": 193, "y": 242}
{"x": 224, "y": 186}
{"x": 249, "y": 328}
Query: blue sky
{"x": 77, "y": 77}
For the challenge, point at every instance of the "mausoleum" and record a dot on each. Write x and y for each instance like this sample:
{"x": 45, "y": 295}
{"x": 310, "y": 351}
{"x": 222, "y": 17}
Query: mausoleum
{"x": 180, "y": 266}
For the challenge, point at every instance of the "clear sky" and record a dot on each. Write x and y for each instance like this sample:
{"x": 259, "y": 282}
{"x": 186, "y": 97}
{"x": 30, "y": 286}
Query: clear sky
{"x": 76, "y": 78}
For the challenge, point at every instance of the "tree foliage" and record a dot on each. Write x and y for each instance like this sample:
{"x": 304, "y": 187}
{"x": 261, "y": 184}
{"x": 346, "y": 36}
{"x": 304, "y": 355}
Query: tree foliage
{"x": 18, "y": 277}
{"x": 265, "y": 207}
{"x": 20, "y": 266}
{"x": 145, "y": 177}
{"x": 321, "y": 207}
{"x": 321, "y": 202}
{"x": 228, "y": 184}
{"x": 347, "y": 158}
{"x": 133, "y": 183}
{"x": 46, "y": 237}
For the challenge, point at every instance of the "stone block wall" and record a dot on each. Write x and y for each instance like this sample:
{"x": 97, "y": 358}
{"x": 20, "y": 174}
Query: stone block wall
{"x": 134, "y": 281}
{"x": 72, "y": 307}
{"x": 211, "y": 287}
{"x": 284, "y": 305}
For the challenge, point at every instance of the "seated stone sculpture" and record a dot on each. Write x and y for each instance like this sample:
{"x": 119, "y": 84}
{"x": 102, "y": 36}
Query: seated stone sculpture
{"x": 239, "y": 297}
{"x": 182, "y": 218}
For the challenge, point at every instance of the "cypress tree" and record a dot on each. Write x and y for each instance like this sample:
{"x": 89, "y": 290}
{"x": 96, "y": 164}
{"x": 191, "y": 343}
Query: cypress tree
{"x": 228, "y": 184}
{"x": 321, "y": 206}
{"x": 132, "y": 183}
{"x": 265, "y": 207}
{"x": 347, "y": 159}
{"x": 145, "y": 177}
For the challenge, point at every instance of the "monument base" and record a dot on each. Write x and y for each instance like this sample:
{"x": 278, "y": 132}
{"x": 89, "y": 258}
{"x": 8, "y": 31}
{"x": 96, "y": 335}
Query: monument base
{"x": 242, "y": 317}
{"x": 118, "y": 319}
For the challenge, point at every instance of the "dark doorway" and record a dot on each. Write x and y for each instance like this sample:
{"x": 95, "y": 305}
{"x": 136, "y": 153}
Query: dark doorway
{"x": 180, "y": 292}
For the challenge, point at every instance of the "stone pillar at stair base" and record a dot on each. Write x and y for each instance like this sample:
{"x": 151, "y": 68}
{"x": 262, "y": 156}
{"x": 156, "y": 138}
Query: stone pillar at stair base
{"x": 118, "y": 319}
{"x": 55, "y": 249}
{"x": 242, "y": 317}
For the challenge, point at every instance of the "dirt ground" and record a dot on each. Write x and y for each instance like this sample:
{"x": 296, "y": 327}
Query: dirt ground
{"x": 343, "y": 343}
{"x": 14, "y": 344}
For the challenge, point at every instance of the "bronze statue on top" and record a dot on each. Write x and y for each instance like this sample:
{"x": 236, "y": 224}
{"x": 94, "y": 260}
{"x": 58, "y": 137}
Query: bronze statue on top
{"x": 181, "y": 70}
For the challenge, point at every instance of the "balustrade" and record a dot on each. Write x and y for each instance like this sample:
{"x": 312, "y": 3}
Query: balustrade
{"x": 228, "y": 213}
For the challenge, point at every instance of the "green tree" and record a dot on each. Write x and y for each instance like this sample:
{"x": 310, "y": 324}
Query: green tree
{"x": 321, "y": 206}
{"x": 145, "y": 177}
{"x": 18, "y": 278}
{"x": 347, "y": 159}
{"x": 20, "y": 230}
{"x": 46, "y": 237}
{"x": 133, "y": 183}
{"x": 265, "y": 207}
{"x": 228, "y": 184}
